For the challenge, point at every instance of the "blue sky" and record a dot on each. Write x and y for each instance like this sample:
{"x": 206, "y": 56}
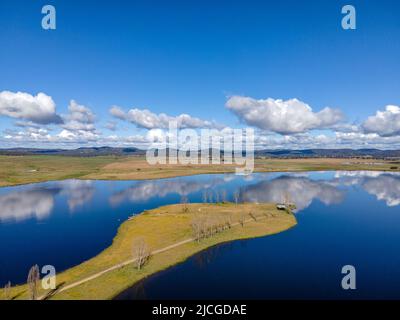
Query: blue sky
{"x": 192, "y": 57}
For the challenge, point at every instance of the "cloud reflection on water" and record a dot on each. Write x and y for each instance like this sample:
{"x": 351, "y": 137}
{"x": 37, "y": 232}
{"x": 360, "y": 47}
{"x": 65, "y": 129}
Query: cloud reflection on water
{"x": 145, "y": 190}
{"x": 384, "y": 186}
{"x": 38, "y": 200}
{"x": 22, "y": 205}
{"x": 78, "y": 192}
{"x": 301, "y": 190}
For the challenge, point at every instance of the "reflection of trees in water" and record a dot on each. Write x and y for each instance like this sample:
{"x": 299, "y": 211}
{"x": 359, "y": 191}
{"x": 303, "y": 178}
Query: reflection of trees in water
{"x": 139, "y": 292}
{"x": 297, "y": 186}
{"x": 243, "y": 243}
{"x": 37, "y": 201}
{"x": 145, "y": 190}
{"x": 202, "y": 259}
{"x": 136, "y": 292}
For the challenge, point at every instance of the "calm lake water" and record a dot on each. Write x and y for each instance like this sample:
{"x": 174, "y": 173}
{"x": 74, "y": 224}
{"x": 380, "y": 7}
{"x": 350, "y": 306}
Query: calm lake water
{"x": 344, "y": 218}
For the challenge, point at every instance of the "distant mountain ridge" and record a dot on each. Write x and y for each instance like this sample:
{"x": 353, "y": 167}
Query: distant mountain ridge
{"x": 83, "y": 151}
{"x": 282, "y": 153}
{"x": 329, "y": 153}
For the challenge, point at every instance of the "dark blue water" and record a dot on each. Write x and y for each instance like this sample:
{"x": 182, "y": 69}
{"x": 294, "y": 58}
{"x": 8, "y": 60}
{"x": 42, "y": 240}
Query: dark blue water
{"x": 343, "y": 218}
{"x": 64, "y": 223}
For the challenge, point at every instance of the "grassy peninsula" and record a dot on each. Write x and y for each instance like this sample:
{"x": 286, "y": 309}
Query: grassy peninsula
{"x": 171, "y": 237}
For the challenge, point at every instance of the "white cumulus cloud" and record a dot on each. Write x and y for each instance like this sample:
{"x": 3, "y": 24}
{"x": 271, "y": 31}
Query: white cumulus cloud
{"x": 144, "y": 118}
{"x": 282, "y": 116}
{"x": 39, "y": 109}
{"x": 384, "y": 123}
{"x": 79, "y": 123}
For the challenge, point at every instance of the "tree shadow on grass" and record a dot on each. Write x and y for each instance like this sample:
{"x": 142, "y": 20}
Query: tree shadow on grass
{"x": 51, "y": 293}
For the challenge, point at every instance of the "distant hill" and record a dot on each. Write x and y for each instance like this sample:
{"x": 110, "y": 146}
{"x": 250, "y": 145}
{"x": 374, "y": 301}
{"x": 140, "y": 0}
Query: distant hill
{"x": 284, "y": 153}
{"x": 329, "y": 153}
{"x": 83, "y": 152}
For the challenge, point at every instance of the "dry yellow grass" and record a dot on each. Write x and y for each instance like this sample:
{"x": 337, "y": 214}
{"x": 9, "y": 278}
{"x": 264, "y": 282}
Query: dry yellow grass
{"x": 139, "y": 169}
{"x": 16, "y": 170}
{"x": 160, "y": 228}
{"x": 26, "y": 169}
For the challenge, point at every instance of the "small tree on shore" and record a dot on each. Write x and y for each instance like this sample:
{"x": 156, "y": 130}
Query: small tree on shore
{"x": 216, "y": 196}
{"x": 198, "y": 228}
{"x": 286, "y": 199}
{"x": 7, "y": 289}
{"x": 223, "y": 196}
{"x": 242, "y": 219}
{"x": 228, "y": 222}
{"x": 208, "y": 226}
{"x": 210, "y": 197}
{"x": 236, "y": 197}
{"x": 204, "y": 196}
{"x": 33, "y": 282}
{"x": 140, "y": 251}
{"x": 184, "y": 201}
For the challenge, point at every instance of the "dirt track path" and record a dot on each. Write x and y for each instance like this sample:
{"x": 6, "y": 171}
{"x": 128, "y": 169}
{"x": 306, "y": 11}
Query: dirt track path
{"x": 122, "y": 264}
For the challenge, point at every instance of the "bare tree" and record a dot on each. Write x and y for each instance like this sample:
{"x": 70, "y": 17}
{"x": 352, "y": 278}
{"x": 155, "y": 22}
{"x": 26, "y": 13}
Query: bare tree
{"x": 184, "y": 201}
{"x": 210, "y": 197}
{"x": 242, "y": 219}
{"x": 236, "y": 196}
{"x": 208, "y": 226}
{"x": 286, "y": 199}
{"x": 287, "y": 202}
{"x": 33, "y": 282}
{"x": 140, "y": 252}
{"x": 228, "y": 222}
{"x": 7, "y": 289}
{"x": 198, "y": 228}
{"x": 218, "y": 225}
{"x": 204, "y": 227}
{"x": 223, "y": 196}
{"x": 216, "y": 196}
